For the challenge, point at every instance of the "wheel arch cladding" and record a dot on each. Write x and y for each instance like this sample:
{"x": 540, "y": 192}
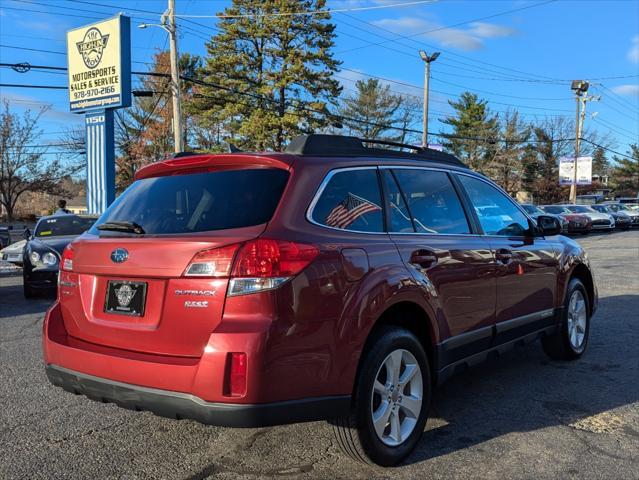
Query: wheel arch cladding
{"x": 412, "y": 317}
{"x": 582, "y": 273}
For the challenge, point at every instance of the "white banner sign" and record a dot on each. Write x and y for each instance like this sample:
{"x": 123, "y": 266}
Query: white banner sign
{"x": 584, "y": 170}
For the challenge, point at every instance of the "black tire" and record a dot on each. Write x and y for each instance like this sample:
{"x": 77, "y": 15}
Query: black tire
{"x": 355, "y": 433}
{"x": 27, "y": 289}
{"x": 558, "y": 346}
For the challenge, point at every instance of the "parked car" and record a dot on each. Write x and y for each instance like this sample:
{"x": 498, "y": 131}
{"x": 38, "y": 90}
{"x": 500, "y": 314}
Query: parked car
{"x": 41, "y": 255}
{"x": 13, "y": 253}
{"x": 623, "y": 221}
{"x": 5, "y": 237}
{"x": 535, "y": 212}
{"x": 600, "y": 221}
{"x": 576, "y": 223}
{"x": 627, "y": 209}
{"x": 333, "y": 281}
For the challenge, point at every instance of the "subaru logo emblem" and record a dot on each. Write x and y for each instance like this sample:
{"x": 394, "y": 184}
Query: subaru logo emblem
{"x": 119, "y": 255}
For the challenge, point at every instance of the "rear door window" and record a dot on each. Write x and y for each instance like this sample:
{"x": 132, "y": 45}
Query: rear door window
{"x": 432, "y": 201}
{"x": 351, "y": 201}
{"x": 400, "y": 219}
{"x": 199, "y": 202}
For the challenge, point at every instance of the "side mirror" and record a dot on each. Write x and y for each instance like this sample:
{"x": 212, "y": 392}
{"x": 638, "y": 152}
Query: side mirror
{"x": 548, "y": 226}
{"x": 26, "y": 234}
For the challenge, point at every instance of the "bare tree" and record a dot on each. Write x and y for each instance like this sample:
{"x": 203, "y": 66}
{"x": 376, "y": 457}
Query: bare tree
{"x": 506, "y": 166}
{"x": 24, "y": 163}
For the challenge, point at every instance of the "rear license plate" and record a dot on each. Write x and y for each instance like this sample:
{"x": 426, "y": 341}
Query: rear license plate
{"x": 125, "y": 298}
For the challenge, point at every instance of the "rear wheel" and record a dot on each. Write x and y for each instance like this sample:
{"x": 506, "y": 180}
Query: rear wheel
{"x": 571, "y": 341}
{"x": 390, "y": 404}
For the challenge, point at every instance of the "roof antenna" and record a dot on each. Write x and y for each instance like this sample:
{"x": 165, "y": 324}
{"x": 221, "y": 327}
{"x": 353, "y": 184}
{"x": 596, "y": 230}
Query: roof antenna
{"x": 234, "y": 149}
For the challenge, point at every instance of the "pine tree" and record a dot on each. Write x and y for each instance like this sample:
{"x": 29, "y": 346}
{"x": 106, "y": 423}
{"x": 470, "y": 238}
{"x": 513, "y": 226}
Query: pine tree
{"x": 600, "y": 164}
{"x": 370, "y": 110}
{"x": 626, "y": 172}
{"x": 273, "y": 73}
{"x": 475, "y": 131}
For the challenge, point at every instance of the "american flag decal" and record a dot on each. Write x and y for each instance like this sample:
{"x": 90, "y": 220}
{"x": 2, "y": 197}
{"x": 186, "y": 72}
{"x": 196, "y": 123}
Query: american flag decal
{"x": 349, "y": 210}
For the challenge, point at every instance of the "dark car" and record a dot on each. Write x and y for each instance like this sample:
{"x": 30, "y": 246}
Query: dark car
{"x": 627, "y": 209}
{"x": 5, "y": 237}
{"x": 577, "y": 223}
{"x": 623, "y": 221}
{"x": 333, "y": 281}
{"x": 535, "y": 212}
{"x": 41, "y": 257}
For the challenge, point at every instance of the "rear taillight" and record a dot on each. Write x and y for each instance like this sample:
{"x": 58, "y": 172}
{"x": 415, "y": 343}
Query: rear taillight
{"x": 66, "y": 263}
{"x": 236, "y": 380}
{"x": 256, "y": 265}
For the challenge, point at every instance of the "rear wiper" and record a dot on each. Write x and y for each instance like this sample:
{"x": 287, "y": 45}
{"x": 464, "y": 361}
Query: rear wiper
{"x": 130, "y": 227}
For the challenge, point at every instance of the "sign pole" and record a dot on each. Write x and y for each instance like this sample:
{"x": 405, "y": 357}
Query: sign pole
{"x": 100, "y": 140}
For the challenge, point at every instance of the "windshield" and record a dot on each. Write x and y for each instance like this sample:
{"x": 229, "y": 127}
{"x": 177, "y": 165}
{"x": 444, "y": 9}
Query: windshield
{"x": 556, "y": 209}
{"x": 63, "y": 225}
{"x": 532, "y": 209}
{"x": 580, "y": 209}
{"x": 199, "y": 202}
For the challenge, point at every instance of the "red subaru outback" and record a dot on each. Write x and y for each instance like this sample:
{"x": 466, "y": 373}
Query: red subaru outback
{"x": 335, "y": 281}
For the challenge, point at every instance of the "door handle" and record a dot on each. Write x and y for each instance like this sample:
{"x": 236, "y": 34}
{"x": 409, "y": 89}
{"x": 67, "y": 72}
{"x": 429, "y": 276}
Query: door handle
{"x": 423, "y": 258}
{"x": 503, "y": 255}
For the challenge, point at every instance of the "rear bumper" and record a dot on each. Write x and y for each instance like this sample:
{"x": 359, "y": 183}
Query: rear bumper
{"x": 181, "y": 405}
{"x": 186, "y": 387}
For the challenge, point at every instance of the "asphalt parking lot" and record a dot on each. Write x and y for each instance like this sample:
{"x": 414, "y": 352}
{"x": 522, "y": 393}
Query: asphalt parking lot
{"x": 522, "y": 416}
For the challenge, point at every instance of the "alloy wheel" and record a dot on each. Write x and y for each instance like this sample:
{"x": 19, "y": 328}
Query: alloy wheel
{"x": 577, "y": 318}
{"x": 397, "y": 397}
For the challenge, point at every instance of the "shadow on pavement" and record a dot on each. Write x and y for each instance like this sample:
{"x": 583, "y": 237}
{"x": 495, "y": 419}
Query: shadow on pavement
{"x": 13, "y": 303}
{"x": 524, "y": 390}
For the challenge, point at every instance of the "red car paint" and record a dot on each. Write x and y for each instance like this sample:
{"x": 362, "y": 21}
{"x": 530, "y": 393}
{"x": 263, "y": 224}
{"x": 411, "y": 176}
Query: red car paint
{"x": 304, "y": 338}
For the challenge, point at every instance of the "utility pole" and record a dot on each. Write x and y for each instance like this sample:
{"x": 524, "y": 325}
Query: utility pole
{"x": 427, "y": 60}
{"x": 171, "y": 29}
{"x": 580, "y": 87}
{"x": 175, "y": 81}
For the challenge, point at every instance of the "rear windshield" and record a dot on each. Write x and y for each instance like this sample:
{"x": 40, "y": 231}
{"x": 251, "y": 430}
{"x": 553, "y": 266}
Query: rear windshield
{"x": 199, "y": 202}
{"x": 63, "y": 225}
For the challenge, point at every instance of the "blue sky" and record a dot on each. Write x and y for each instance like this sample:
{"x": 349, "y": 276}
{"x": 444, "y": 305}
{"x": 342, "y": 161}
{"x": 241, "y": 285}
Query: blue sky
{"x": 523, "y": 58}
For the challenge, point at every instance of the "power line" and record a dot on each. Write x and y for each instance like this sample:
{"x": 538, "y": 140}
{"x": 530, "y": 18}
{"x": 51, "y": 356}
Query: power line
{"x": 327, "y": 11}
{"x": 607, "y": 149}
{"x": 18, "y": 85}
{"x": 412, "y": 36}
{"x": 276, "y": 102}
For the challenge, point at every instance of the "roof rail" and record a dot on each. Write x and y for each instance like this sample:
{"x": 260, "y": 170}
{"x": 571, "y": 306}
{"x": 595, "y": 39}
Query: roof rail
{"x": 348, "y": 146}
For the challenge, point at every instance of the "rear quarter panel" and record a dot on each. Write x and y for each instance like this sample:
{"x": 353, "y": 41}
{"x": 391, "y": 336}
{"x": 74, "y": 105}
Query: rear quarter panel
{"x": 323, "y": 318}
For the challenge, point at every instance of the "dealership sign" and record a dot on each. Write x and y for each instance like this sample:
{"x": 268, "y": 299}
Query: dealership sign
{"x": 584, "y": 170}
{"x": 99, "y": 59}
